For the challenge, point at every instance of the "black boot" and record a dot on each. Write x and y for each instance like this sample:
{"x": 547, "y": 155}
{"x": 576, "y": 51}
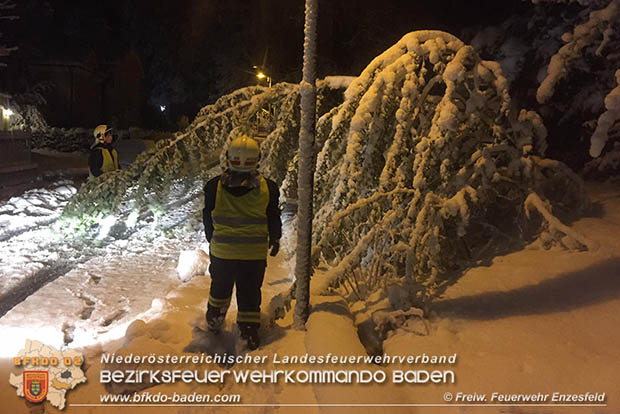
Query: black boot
{"x": 249, "y": 334}
{"x": 215, "y": 319}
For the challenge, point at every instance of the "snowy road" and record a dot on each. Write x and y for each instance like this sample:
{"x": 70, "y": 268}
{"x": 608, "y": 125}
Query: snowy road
{"x": 76, "y": 293}
{"x": 30, "y": 251}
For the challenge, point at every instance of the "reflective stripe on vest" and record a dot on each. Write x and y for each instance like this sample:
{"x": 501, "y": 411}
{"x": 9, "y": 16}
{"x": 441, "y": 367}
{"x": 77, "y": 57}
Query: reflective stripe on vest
{"x": 240, "y": 224}
{"x": 239, "y": 239}
{"x": 239, "y": 221}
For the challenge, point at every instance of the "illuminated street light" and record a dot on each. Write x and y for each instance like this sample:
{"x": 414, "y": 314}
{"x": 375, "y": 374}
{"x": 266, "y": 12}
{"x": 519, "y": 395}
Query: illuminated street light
{"x": 162, "y": 108}
{"x": 7, "y": 113}
{"x": 261, "y": 76}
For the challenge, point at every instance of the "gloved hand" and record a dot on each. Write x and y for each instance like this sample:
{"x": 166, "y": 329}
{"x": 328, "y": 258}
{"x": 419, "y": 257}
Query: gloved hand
{"x": 275, "y": 247}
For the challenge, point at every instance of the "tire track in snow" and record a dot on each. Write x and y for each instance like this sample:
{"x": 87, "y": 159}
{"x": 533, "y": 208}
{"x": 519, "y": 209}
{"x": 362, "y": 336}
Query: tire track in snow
{"x": 28, "y": 286}
{"x": 74, "y": 254}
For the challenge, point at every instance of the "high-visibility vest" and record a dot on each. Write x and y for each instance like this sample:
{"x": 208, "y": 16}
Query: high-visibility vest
{"x": 240, "y": 229}
{"x": 110, "y": 160}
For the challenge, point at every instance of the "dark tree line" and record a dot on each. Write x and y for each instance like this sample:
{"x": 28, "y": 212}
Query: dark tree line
{"x": 194, "y": 51}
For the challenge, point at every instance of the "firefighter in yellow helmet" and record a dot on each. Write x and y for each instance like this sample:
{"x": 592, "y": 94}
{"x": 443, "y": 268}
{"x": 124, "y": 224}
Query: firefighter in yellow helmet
{"x": 103, "y": 157}
{"x": 242, "y": 221}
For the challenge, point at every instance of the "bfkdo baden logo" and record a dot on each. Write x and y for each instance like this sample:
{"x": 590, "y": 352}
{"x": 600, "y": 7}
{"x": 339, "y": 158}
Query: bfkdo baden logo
{"x": 48, "y": 374}
{"x": 36, "y": 384}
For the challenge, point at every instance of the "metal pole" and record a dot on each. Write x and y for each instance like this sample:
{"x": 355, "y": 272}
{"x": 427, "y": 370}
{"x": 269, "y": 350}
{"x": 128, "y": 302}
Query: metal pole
{"x": 303, "y": 266}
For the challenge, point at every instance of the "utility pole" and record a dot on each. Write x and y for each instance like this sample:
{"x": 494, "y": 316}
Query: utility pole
{"x": 305, "y": 181}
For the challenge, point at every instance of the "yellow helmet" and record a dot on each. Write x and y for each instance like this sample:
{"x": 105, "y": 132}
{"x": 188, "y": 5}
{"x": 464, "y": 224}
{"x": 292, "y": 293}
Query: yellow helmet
{"x": 100, "y": 131}
{"x": 243, "y": 154}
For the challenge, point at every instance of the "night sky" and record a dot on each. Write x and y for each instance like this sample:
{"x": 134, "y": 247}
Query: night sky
{"x": 193, "y": 51}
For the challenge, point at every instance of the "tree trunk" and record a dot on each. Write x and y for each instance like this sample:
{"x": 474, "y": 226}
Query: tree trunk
{"x": 306, "y": 169}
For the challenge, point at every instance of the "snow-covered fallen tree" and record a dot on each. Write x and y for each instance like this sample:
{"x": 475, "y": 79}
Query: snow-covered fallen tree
{"x": 424, "y": 169}
{"x": 178, "y": 167}
{"x": 147, "y": 183}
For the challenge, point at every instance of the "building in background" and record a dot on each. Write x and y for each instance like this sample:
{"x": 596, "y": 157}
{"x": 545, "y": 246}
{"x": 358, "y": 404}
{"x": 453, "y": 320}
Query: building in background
{"x": 83, "y": 94}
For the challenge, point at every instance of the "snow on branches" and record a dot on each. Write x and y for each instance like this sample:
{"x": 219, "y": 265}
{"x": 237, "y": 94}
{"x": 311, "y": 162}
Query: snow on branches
{"x": 427, "y": 167}
{"x": 177, "y": 168}
{"x": 423, "y": 170}
{"x": 596, "y": 37}
{"x": 596, "y": 31}
{"x": 147, "y": 183}
{"x": 607, "y": 120}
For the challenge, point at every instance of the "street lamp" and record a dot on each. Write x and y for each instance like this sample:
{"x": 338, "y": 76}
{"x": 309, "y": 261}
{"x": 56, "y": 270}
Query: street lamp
{"x": 5, "y": 120}
{"x": 261, "y": 76}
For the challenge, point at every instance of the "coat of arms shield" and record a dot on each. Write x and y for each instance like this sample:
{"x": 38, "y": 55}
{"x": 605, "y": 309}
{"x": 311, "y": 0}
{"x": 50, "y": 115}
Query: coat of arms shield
{"x": 36, "y": 385}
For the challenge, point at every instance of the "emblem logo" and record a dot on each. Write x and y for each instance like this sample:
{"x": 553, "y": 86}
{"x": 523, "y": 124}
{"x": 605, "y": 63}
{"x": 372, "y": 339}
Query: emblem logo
{"x": 36, "y": 384}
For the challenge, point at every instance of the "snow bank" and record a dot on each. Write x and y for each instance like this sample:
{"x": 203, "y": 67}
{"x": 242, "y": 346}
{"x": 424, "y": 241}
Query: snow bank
{"x": 191, "y": 263}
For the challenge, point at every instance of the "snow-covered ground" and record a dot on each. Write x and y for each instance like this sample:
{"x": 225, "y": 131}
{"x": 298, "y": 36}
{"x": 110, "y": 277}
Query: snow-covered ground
{"x": 535, "y": 320}
{"x": 28, "y": 246}
{"x": 103, "y": 286}
{"x": 532, "y": 321}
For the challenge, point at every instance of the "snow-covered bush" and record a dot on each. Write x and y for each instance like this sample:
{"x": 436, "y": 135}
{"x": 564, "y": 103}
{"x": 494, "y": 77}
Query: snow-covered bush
{"x": 26, "y": 107}
{"x": 27, "y": 117}
{"x": 62, "y": 139}
{"x": 608, "y": 124}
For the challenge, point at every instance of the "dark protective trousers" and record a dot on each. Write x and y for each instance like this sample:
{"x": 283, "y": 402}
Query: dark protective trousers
{"x": 247, "y": 276}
